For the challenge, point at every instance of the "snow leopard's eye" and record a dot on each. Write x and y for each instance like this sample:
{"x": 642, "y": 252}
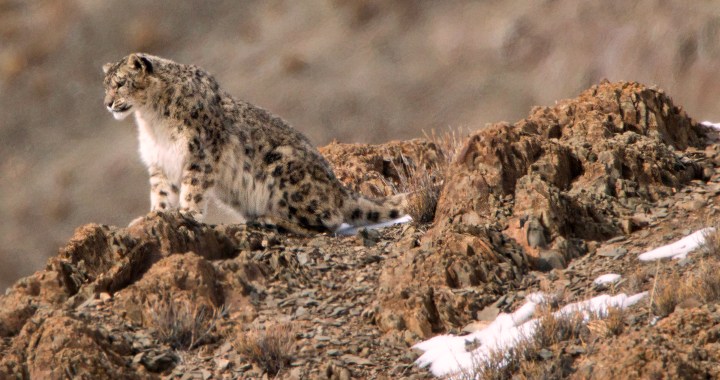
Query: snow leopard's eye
{"x": 119, "y": 83}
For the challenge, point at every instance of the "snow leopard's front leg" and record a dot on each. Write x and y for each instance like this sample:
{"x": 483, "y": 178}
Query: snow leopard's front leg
{"x": 163, "y": 193}
{"x": 198, "y": 178}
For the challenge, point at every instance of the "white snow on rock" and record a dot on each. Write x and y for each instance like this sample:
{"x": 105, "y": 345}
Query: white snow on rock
{"x": 347, "y": 230}
{"x": 609, "y": 278}
{"x": 447, "y": 354}
{"x": 715, "y": 126}
{"x": 678, "y": 249}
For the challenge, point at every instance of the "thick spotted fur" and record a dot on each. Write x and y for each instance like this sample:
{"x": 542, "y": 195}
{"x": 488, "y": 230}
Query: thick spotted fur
{"x": 199, "y": 142}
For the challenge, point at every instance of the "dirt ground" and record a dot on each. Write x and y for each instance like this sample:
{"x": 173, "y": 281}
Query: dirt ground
{"x": 364, "y": 71}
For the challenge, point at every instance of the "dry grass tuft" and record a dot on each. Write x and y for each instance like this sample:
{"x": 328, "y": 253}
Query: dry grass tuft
{"x": 701, "y": 285}
{"x": 704, "y": 283}
{"x": 271, "y": 349}
{"x": 666, "y": 295}
{"x": 183, "y": 324}
{"x": 552, "y": 329}
{"x": 612, "y": 325}
{"x": 711, "y": 246}
{"x": 424, "y": 184}
{"x": 424, "y": 192}
{"x": 615, "y": 321}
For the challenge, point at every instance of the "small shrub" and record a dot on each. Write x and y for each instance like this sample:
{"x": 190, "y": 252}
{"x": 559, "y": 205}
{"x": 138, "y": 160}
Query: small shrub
{"x": 615, "y": 321}
{"x": 552, "y": 329}
{"x": 424, "y": 195}
{"x": 271, "y": 349}
{"x": 666, "y": 295}
{"x": 612, "y": 325}
{"x": 424, "y": 184}
{"x": 711, "y": 246}
{"x": 183, "y": 324}
{"x": 704, "y": 283}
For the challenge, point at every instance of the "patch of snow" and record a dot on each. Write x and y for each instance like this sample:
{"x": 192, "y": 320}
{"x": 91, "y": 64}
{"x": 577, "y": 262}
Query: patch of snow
{"x": 609, "y": 278}
{"x": 715, "y": 126}
{"x": 348, "y": 230}
{"x": 447, "y": 354}
{"x": 537, "y": 297}
{"x": 678, "y": 249}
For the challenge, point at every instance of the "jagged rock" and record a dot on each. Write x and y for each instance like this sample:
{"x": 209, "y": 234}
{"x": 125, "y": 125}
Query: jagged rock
{"x": 187, "y": 277}
{"x": 572, "y": 165}
{"x": 562, "y": 176}
{"x": 58, "y": 345}
{"x": 133, "y": 265}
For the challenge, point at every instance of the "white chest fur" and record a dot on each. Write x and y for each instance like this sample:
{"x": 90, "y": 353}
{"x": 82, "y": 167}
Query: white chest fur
{"x": 158, "y": 147}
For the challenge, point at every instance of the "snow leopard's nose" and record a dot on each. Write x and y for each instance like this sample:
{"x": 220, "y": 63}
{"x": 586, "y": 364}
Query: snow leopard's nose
{"x": 109, "y": 99}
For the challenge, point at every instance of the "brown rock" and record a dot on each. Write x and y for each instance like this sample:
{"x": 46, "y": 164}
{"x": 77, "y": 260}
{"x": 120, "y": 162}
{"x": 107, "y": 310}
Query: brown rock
{"x": 64, "y": 346}
{"x": 187, "y": 277}
{"x": 563, "y": 175}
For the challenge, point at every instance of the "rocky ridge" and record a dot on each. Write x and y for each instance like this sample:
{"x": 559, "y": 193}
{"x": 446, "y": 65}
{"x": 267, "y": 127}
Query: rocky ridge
{"x": 548, "y": 203}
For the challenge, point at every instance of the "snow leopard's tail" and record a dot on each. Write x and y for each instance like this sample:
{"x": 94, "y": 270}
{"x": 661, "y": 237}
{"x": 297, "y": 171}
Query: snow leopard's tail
{"x": 362, "y": 211}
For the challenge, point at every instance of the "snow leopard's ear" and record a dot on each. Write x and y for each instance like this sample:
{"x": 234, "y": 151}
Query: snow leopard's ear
{"x": 106, "y": 67}
{"x": 140, "y": 63}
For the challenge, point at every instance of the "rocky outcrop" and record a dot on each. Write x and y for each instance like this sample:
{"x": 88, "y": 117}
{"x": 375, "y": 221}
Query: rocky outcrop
{"x": 573, "y": 171}
{"x": 517, "y": 198}
{"x": 44, "y": 314}
{"x": 535, "y": 194}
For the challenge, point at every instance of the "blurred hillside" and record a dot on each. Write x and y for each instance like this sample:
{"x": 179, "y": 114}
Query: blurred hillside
{"x": 352, "y": 70}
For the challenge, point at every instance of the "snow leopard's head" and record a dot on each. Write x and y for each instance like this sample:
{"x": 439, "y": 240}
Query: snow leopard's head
{"x": 126, "y": 83}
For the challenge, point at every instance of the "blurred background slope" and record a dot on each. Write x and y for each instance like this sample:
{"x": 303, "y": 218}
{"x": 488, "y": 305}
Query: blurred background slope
{"x": 352, "y": 70}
